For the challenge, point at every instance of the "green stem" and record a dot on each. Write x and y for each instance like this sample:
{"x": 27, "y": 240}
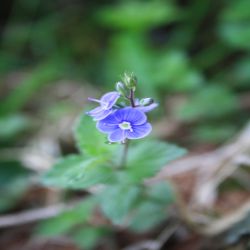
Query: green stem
{"x": 132, "y": 98}
{"x": 126, "y": 143}
{"x": 124, "y": 154}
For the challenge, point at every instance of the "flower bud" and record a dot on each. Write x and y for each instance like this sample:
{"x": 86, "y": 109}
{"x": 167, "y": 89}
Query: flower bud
{"x": 122, "y": 89}
{"x": 130, "y": 81}
{"x": 146, "y": 101}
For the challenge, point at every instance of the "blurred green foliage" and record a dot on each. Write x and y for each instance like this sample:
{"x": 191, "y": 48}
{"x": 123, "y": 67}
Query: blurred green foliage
{"x": 195, "y": 49}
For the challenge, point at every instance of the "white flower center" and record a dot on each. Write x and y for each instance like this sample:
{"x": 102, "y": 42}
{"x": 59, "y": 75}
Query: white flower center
{"x": 125, "y": 126}
{"x": 105, "y": 105}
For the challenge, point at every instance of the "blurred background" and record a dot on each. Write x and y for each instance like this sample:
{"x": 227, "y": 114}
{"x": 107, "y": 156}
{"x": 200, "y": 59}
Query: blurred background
{"x": 192, "y": 56}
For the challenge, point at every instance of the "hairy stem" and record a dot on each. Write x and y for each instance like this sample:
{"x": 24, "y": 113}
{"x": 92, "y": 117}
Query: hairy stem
{"x": 124, "y": 154}
{"x": 132, "y": 98}
{"x": 126, "y": 143}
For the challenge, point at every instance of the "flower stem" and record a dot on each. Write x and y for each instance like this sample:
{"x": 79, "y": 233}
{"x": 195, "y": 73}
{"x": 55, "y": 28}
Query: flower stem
{"x": 124, "y": 154}
{"x": 126, "y": 143}
{"x": 132, "y": 98}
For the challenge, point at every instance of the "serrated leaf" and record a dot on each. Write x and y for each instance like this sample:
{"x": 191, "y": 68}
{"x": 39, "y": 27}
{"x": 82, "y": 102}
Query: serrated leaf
{"x": 161, "y": 193}
{"x": 116, "y": 201}
{"x": 67, "y": 220}
{"x": 78, "y": 172}
{"x": 91, "y": 141}
{"x": 147, "y": 158}
{"x": 146, "y": 216}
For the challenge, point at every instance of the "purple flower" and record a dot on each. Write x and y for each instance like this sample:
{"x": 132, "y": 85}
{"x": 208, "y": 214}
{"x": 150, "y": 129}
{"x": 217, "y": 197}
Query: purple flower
{"x": 146, "y": 108}
{"x": 107, "y": 101}
{"x": 126, "y": 123}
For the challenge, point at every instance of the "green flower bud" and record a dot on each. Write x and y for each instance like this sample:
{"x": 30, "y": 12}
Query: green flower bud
{"x": 130, "y": 80}
{"x": 122, "y": 89}
{"x": 146, "y": 101}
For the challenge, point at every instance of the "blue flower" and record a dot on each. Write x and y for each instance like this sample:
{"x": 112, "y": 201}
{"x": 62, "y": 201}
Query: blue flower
{"x": 147, "y": 108}
{"x": 126, "y": 123}
{"x": 107, "y": 101}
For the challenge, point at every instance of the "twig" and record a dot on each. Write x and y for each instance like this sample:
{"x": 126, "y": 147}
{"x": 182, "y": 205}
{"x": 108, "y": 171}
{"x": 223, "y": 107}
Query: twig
{"x": 211, "y": 169}
{"x": 154, "y": 244}
{"x": 34, "y": 215}
{"x": 211, "y": 160}
{"x": 221, "y": 225}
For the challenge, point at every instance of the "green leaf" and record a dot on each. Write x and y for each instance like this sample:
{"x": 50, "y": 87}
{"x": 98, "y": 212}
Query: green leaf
{"x": 148, "y": 157}
{"x": 12, "y": 125}
{"x": 91, "y": 141}
{"x": 116, "y": 201}
{"x": 89, "y": 237}
{"x": 13, "y": 183}
{"x": 12, "y": 193}
{"x": 65, "y": 221}
{"x": 39, "y": 77}
{"x": 78, "y": 172}
{"x": 236, "y": 11}
{"x": 212, "y": 102}
{"x": 146, "y": 216}
{"x": 136, "y": 15}
{"x": 10, "y": 171}
{"x": 172, "y": 71}
{"x": 241, "y": 73}
{"x": 234, "y": 24}
{"x": 238, "y": 35}
{"x": 161, "y": 193}
{"x": 214, "y": 133}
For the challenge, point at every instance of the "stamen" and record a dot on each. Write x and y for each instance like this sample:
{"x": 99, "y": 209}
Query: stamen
{"x": 94, "y": 100}
{"x": 103, "y": 104}
{"x": 126, "y": 126}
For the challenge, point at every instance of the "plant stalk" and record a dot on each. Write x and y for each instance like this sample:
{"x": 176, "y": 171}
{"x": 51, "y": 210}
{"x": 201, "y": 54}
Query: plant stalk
{"x": 124, "y": 154}
{"x": 126, "y": 143}
{"x": 132, "y": 98}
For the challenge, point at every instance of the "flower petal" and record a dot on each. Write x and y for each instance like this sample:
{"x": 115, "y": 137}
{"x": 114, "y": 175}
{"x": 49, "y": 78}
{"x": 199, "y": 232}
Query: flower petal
{"x": 139, "y": 131}
{"x": 147, "y": 108}
{"x": 117, "y": 136}
{"x": 106, "y": 127}
{"x": 132, "y": 115}
{"x": 95, "y": 111}
{"x": 103, "y": 114}
{"x": 108, "y": 100}
{"x": 111, "y": 119}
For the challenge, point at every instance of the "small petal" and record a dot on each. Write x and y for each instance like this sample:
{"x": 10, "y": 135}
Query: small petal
{"x": 132, "y": 115}
{"x": 147, "y": 108}
{"x": 108, "y": 100}
{"x": 106, "y": 127}
{"x": 139, "y": 131}
{"x": 111, "y": 119}
{"x": 95, "y": 111}
{"x": 102, "y": 115}
{"x": 117, "y": 136}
